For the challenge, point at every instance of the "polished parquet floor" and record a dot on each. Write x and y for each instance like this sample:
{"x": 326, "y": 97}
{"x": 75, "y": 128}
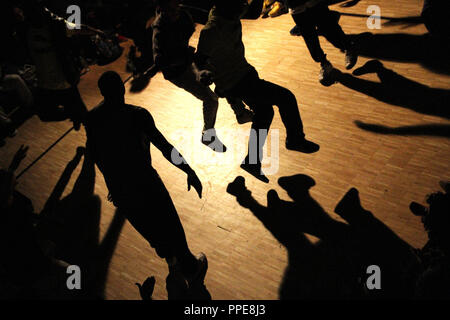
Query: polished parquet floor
{"x": 245, "y": 260}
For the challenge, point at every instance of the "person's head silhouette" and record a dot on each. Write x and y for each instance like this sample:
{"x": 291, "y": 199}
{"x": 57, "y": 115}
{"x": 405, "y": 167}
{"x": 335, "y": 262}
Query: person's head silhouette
{"x": 112, "y": 87}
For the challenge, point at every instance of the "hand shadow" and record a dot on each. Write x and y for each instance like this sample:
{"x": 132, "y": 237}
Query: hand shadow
{"x": 335, "y": 266}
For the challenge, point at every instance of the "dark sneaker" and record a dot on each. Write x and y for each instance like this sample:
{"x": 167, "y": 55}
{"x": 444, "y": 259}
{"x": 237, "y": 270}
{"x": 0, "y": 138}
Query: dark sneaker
{"x": 418, "y": 209}
{"x": 351, "y": 57}
{"x": 255, "y": 170}
{"x": 302, "y": 145}
{"x": 328, "y": 74}
{"x": 210, "y": 139}
{"x": 76, "y": 125}
{"x": 199, "y": 276}
{"x": 278, "y": 9}
{"x": 370, "y": 67}
{"x": 295, "y": 31}
{"x": 245, "y": 116}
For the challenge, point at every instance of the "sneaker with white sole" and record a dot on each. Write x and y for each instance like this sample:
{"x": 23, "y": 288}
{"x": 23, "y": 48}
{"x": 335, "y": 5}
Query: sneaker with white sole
{"x": 351, "y": 57}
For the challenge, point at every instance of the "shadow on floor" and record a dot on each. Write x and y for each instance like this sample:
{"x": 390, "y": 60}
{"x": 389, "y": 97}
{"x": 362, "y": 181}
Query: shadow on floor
{"x": 397, "y": 90}
{"x": 437, "y": 129}
{"x": 429, "y": 51}
{"x": 337, "y": 265}
{"x": 73, "y": 225}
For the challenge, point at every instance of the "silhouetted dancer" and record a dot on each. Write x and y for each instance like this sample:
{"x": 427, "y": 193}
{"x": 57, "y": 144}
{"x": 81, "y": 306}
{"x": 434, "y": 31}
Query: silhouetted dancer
{"x": 172, "y": 29}
{"x": 398, "y": 90}
{"x": 221, "y": 50}
{"x": 312, "y": 17}
{"x": 58, "y": 75}
{"x": 119, "y": 137}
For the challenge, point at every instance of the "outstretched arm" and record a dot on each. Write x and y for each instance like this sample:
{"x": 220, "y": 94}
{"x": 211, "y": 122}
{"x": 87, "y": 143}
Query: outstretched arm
{"x": 171, "y": 153}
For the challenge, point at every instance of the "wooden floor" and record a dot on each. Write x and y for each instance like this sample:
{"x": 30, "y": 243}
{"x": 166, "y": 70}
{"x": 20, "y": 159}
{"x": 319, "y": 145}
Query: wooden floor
{"x": 245, "y": 261}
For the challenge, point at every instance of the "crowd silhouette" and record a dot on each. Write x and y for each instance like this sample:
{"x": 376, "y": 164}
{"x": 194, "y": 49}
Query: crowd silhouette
{"x": 40, "y": 72}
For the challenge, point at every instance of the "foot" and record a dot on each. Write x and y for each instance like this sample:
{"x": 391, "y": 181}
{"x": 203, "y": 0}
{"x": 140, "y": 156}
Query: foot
{"x": 278, "y": 9}
{"x": 255, "y": 170}
{"x": 417, "y": 209}
{"x": 199, "y": 276}
{"x": 302, "y": 145}
{"x": 245, "y": 116}
{"x": 267, "y": 7}
{"x": 77, "y": 125}
{"x": 351, "y": 57}
{"x": 210, "y": 139}
{"x": 328, "y": 74}
{"x": 80, "y": 151}
{"x": 370, "y": 67}
{"x": 295, "y": 31}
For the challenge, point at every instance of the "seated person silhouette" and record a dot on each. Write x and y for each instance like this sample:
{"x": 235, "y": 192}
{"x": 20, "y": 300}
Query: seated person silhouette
{"x": 221, "y": 54}
{"x": 118, "y": 138}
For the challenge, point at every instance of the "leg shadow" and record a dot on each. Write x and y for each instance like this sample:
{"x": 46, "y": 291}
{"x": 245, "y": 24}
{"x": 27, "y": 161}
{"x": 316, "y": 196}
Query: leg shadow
{"x": 397, "y": 90}
{"x": 336, "y": 265}
{"x": 439, "y": 130}
{"x": 429, "y": 51}
{"x": 315, "y": 270}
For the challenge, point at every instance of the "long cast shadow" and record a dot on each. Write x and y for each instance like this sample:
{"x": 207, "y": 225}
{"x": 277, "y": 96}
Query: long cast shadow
{"x": 437, "y": 129}
{"x": 73, "y": 225}
{"x": 429, "y": 51}
{"x": 335, "y": 266}
{"x": 398, "y": 90}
